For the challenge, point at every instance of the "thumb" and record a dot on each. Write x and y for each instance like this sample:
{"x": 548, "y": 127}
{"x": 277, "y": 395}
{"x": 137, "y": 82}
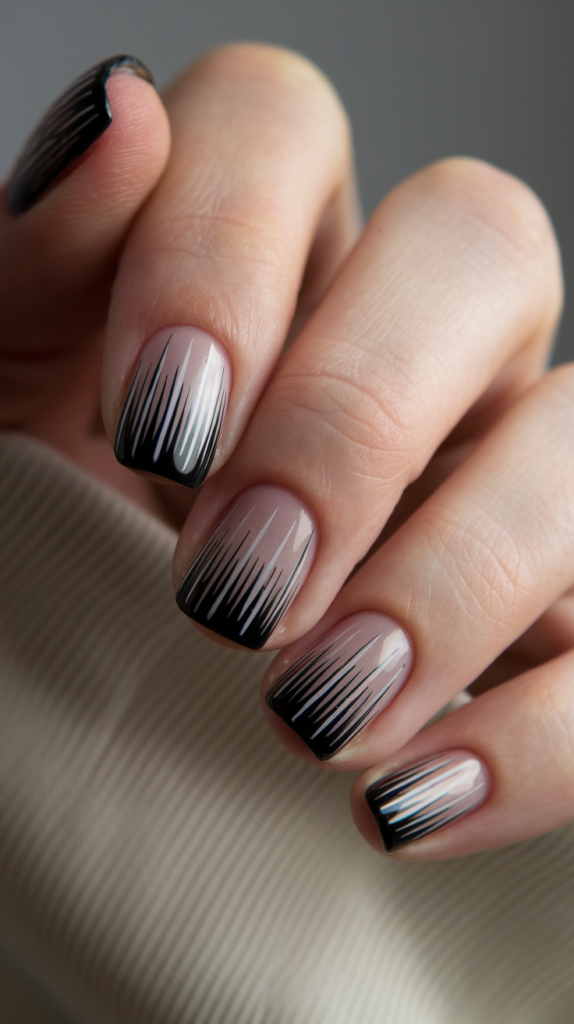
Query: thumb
{"x": 86, "y": 170}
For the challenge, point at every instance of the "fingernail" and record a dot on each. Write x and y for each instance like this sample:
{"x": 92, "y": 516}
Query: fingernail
{"x": 252, "y": 567}
{"x": 172, "y": 419}
{"x": 343, "y": 681}
{"x": 424, "y": 797}
{"x": 71, "y": 125}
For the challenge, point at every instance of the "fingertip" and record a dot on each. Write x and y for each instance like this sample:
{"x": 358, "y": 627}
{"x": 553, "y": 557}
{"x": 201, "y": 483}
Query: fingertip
{"x": 288, "y": 738}
{"x": 71, "y": 198}
{"x": 363, "y": 817}
{"x": 104, "y": 141}
{"x": 133, "y": 153}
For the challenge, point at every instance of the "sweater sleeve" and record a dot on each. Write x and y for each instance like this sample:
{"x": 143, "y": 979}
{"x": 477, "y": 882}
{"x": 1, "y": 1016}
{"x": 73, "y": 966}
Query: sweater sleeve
{"x": 164, "y": 861}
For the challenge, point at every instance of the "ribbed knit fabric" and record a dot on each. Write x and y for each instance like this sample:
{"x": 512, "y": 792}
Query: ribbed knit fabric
{"x": 164, "y": 861}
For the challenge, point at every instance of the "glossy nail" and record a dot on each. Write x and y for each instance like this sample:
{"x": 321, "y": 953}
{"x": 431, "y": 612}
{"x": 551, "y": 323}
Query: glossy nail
{"x": 172, "y": 418}
{"x": 252, "y": 567}
{"x": 424, "y": 797}
{"x": 71, "y": 125}
{"x": 334, "y": 690}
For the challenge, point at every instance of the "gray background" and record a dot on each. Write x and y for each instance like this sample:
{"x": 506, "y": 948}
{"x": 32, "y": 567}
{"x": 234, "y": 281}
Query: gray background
{"x": 421, "y": 78}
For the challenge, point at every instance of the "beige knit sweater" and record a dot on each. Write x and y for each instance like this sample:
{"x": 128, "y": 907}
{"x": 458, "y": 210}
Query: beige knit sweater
{"x": 164, "y": 861}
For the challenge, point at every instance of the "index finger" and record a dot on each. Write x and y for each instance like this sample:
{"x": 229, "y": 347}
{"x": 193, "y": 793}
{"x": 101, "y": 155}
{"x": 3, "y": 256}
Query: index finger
{"x": 210, "y": 279}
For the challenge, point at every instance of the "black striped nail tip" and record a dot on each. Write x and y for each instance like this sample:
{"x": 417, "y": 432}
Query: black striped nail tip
{"x": 336, "y": 688}
{"x": 424, "y": 797}
{"x": 173, "y": 416}
{"x": 71, "y": 125}
{"x": 250, "y": 570}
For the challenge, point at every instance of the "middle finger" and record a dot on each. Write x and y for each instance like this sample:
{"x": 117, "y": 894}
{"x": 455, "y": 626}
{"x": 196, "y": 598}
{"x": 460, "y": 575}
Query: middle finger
{"x": 454, "y": 284}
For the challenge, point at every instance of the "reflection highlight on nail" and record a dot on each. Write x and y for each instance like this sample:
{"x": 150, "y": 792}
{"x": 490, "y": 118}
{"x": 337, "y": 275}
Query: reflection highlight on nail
{"x": 421, "y": 798}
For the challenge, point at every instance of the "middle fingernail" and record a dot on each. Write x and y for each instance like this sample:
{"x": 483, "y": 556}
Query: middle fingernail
{"x": 334, "y": 690}
{"x": 252, "y": 567}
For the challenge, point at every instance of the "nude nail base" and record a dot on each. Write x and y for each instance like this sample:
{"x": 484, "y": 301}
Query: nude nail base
{"x": 424, "y": 797}
{"x": 252, "y": 567}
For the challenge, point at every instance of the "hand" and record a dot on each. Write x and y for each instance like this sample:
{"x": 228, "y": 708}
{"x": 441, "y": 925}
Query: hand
{"x": 410, "y": 417}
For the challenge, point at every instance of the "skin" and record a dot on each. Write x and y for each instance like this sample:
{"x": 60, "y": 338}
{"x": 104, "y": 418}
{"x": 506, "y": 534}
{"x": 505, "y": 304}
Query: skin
{"x": 411, "y": 412}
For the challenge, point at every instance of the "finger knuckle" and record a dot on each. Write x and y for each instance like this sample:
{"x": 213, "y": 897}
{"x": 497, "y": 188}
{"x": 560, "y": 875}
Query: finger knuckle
{"x": 282, "y": 80}
{"x": 484, "y": 565}
{"x": 341, "y": 409}
{"x": 504, "y": 213}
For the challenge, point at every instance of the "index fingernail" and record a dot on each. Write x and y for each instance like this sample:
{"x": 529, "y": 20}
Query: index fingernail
{"x": 172, "y": 418}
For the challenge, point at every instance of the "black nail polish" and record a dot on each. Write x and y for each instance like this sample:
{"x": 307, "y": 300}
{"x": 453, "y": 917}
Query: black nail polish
{"x": 421, "y": 798}
{"x": 71, "y": 125}
{"x": 334, "y": 690}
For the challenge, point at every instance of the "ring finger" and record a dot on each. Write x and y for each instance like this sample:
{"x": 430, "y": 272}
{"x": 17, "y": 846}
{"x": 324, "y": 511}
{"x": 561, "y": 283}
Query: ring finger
{"x": 466, "y": 575}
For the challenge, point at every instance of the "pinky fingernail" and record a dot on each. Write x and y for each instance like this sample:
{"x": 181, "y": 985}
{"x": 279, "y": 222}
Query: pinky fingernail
{"x": 424, "y": 797}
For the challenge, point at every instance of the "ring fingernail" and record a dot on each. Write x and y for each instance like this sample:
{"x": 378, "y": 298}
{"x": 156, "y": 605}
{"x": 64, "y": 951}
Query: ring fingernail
{"x": 172, "y": 418}
{"x": 70, "y": 126}
{"x": 334, "y": 690}
{"x": 426, "y": 796}
{"x": 252, "y": 567}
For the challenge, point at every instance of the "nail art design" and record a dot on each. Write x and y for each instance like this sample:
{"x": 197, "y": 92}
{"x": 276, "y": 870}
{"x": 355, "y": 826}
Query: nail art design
{"x": 424, "y": 797}
{"x": 252, "y": 567}
{"x": 172, "y": 418}
{"x": 347, "y": 677}
{"x": 71, "y": 125}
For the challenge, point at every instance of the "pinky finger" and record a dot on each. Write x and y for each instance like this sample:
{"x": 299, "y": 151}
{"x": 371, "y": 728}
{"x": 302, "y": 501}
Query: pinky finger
{"x": 498, "y": 770}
